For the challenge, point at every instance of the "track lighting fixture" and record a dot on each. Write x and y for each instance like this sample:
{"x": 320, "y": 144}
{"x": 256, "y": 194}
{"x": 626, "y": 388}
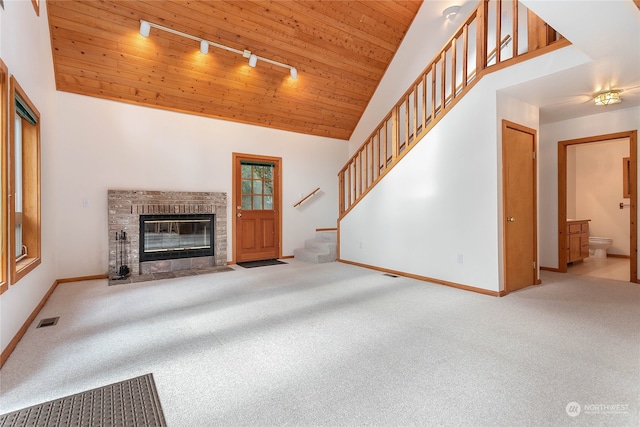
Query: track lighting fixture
{"x": 145, "y": 29}
{"x": 204, "y": 47}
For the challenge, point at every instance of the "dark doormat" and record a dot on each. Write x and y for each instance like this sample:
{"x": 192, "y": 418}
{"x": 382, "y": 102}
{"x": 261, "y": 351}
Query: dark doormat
{"x": 260, "y": 263}
{"x": 132, "y": 402}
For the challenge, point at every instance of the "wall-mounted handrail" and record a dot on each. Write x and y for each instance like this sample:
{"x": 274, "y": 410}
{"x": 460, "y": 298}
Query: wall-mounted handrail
{"x": 313, "y": 193}
{"x": 475, "y": 49}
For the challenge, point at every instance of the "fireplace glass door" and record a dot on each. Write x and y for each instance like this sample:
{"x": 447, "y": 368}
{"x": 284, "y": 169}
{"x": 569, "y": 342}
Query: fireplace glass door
{"x": 175, "y": 236}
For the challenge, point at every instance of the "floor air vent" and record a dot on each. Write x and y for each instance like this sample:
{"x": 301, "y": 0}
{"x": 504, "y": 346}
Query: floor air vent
{"x": 389, "y": 275}
{"x": 48, "y": 322}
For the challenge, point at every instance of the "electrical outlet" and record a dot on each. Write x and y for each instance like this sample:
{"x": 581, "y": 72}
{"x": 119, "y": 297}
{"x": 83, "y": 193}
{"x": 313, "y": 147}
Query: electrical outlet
{"x": 85, "y": 202}
{"x": 460, "y": 259}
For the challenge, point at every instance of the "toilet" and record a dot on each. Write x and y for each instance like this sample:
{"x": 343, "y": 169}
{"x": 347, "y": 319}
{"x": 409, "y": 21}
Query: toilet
{"x": 599, "y": 246}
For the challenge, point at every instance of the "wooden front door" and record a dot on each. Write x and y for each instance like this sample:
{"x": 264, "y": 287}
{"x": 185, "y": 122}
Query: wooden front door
{"x": 256, "y": 202}
{"x": 519, "y": 204}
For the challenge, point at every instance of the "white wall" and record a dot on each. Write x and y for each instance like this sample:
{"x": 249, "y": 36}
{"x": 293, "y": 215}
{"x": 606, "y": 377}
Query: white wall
{"x": 25, "y": 48}
{"x": 439, "y": 203}
{"x": 109, "y": 145}
{"x": 599, "y": 124}
{"x": 571, "y": 183}
{"x": 598, "y": 191}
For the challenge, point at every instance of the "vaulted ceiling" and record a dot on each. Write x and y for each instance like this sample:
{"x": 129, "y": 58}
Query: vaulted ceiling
{"x": 341, "y": 50}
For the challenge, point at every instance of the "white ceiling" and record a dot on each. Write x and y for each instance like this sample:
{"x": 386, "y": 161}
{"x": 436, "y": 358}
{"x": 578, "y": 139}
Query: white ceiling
{"x": 608, "y": 31}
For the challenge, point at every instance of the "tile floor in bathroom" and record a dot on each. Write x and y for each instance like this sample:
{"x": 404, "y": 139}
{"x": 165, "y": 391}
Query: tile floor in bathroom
{"x": 608, "y": 268}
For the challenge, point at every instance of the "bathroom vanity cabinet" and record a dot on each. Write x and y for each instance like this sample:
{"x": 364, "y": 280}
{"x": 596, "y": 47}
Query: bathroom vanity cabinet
{"x": 577, "y": 239}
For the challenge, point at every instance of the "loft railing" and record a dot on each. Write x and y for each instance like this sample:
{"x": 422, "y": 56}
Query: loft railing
{"x": 489, "y": 39}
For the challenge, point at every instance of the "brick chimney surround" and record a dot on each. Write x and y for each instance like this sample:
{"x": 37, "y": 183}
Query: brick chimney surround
{"x": 125, "y": 208}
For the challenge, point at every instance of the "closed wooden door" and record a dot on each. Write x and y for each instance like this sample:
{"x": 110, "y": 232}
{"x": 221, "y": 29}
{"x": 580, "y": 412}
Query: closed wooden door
{"x": 519, "y": 203}
{"x": 257, "y": 207}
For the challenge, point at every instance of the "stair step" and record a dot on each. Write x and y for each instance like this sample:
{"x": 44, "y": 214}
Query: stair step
{"x": 328, "y": 235}
{"x": 319, "y": 250}
{"x": 317, "y": 256}
{"x": 326, "y": 245}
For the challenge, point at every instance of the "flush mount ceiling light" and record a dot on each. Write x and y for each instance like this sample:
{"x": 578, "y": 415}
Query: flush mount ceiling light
{"x": 608, "y": 98}
{"x": 145, "y": 29}
{"x": 451, "y": 12}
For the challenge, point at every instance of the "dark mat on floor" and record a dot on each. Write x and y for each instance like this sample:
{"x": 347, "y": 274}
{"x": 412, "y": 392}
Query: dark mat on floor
{"x": 132, "y": 402}
{"x": 261, "y": 263}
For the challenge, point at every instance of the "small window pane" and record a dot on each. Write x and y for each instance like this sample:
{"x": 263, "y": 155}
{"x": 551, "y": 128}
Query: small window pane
{"x": 257, "y": 187}
{"x": 268, "y": 202}
{"x": 246, "y": 186}
{"x": 246, "y": 171}
{"x": 268, "y": 187}
{"x": 257, "y": 202}
{"x": 246, "y": 202}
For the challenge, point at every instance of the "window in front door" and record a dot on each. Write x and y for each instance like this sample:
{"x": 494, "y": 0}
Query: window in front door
{"x": 257, "y": 186}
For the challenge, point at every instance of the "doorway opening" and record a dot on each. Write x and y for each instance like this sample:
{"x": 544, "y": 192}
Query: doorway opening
{"x": 565, "y": 208}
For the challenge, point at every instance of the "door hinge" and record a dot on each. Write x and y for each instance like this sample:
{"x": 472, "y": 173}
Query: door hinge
{"x": 533, "y": 155}
{"x": 534, "y": 265}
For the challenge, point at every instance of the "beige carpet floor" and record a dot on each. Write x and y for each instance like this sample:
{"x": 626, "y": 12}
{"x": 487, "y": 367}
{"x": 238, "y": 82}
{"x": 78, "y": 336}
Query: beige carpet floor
{"x": 338, "y": 345}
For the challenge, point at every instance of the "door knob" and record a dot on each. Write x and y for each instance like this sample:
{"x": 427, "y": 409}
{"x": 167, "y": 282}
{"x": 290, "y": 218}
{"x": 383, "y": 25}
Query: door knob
{"x": 239, "y": 214}
{"x": 510, "y": 219}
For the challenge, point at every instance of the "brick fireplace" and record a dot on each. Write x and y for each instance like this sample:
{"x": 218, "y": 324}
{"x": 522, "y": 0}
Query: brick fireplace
{"x": 126, "y": 207}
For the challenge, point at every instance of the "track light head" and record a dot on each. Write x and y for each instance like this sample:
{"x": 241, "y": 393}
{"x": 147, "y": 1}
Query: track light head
{"x": 204, "y": 47}
{"x": 145, "y": 28}
{"x": 294, "y": 73}
{"x": 253, "y": 60}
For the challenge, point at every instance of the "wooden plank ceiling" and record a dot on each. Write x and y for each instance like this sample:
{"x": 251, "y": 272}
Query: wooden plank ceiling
{"x": 341, "y": 49}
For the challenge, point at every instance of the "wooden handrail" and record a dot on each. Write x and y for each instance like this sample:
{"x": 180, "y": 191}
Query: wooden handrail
{"x": 494, "y": 54}
{"x": 459, "y": 65}
{"x": 306, "y": 197}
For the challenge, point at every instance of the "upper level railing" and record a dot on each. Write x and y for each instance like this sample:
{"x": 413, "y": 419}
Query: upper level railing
{"x": 488, "y": 38}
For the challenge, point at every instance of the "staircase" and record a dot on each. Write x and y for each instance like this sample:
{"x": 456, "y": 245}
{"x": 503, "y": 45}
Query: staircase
{"x": 319, "y": 250}
{"x": 486, "y": 46}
